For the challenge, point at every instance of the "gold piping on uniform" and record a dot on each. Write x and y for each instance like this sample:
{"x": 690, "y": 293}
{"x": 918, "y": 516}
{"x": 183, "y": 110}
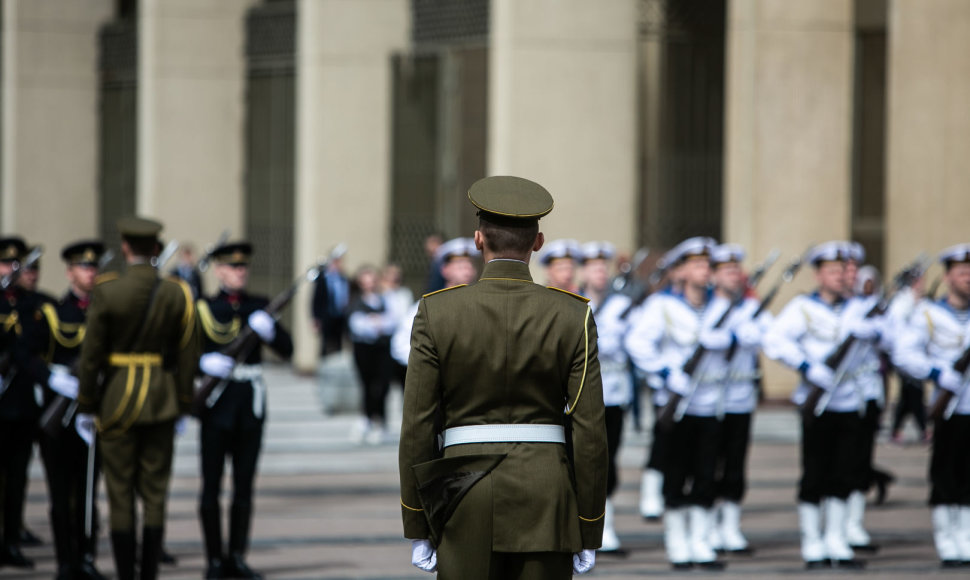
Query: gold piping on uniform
{"x": 220, "y": 333}
{"x": 187, "y": 316}
{"x": 57, "y": 326}
{"x": 124, "y": 399}
{"x": 146, "y": 374}
{"x": 444, "y": 289}
{"x": 406, "y": 506}
{"x": 594, "y": 519}
{"x": 133, "y": 361}
{"x": 582, "y": 381}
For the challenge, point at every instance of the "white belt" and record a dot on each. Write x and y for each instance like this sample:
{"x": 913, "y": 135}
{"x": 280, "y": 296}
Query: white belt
{"x": 505, "y": 434}
{"x": 246, "y": 373}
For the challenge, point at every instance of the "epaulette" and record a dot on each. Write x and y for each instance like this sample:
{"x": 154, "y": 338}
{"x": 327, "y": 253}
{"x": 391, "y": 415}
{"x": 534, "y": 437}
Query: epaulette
{"x": 444, "y": 290}
{"x": 106, "y": 277}
{"x": 576, "y": 296}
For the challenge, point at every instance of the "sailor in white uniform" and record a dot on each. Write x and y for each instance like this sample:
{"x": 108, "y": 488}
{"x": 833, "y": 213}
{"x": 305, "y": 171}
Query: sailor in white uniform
{"x": 937, "y": 335}
{"x": 560, "y": 258}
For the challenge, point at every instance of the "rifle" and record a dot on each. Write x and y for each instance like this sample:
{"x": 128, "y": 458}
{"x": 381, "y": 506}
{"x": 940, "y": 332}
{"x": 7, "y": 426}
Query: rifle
{"x": 653, "y": 282}
{"x": 203, "y": 263}
{"x": 7, "y": 370}
{"x": 675, "y": 408}
{"x": 946, "y": 401}
{"x": 934, "y": 287}
{"x": 170, "y": 248}
{"x": 818, "y": 399}
{"x": 246, "y": 341}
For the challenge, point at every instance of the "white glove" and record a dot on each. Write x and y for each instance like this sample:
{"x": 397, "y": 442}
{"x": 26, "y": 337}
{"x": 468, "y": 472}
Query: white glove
{"x": 181, "y": 424}
{"x": 749, "y": 334}
{"x": 63, "y": 383}
{"x": 949, "y": 379}
{"x": 678, "y": 382}
{"x": 216, "y": 364}
{"x": 84, "y": 425}
{"x": 423, "y": 555}
{"x": 865, "y": 328}
{"x": 820, "y": 375}
{"x": 715, "y": 338}
{"x": 584, "y": 561}
{"x": 263, "y": 325}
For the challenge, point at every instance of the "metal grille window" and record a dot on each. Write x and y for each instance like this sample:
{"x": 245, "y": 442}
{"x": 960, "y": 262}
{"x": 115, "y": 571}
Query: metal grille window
{"x": 270, "y": 143}
{"x": 436, "y": 22}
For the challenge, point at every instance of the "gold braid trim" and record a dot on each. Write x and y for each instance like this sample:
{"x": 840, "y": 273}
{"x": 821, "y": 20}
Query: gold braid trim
{"x": 218, "y": 332}
{"x": 58, "y": 328}
{"x": 188, "y": 315}
{"x": 11, "y": 322}
{"x": 582, "y": 381}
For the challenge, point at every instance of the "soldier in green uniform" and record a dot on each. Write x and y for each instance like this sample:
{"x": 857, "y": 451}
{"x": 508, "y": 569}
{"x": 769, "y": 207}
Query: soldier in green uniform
{"x": 506, "y": 372}
{"x": 138, "y": 362}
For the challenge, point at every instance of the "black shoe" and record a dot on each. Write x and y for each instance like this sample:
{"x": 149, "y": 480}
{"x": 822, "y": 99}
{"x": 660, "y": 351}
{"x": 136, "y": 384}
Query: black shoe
{"x": 215, "y": 570}
{"x": 871, "y": 548}
{"x": 712, "y": 566}
{"x": 12, "y": 556}
{"x": 882, "y": 481}
{"x": 651, "y": 519}
{"x": 851, "y": 564}
{"x": 818, "y": 565}
{"x": 29, "y": 539}
{"x": 236, "y": 568}
{"x": 682, "y": 566}
{"x": 87, "y": 571}
{"x": 65, "y": 572}
{"x": 123, "y": 548}
{"x": 951, "y": 564}
{"x": 749, "y": 551}
{"x": 167, "y": 558}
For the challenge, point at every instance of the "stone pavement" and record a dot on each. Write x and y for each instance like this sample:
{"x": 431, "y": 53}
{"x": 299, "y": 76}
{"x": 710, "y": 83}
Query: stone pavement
{"x": 327, "y": 507}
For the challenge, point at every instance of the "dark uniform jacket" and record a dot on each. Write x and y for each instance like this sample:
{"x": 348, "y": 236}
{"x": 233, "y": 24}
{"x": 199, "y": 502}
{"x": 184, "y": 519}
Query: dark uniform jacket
{"x": 58, "y": 337}
{"x": 19, "y": 314}
{"x": 508, "y": 351}
{"x": 148, "y": 360}
{"x": 222, "y": 317}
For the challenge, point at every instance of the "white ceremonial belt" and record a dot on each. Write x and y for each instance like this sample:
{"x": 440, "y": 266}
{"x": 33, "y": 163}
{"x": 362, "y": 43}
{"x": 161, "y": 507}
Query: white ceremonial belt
{"x": 60, "y": 368}
{"x": 244, "y": 373}
{"x": 505, "y": 434}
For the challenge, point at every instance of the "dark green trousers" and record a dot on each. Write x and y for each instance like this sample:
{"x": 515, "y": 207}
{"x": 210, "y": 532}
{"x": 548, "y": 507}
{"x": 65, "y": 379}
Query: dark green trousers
{"x": 466, "y": 552}
{"x": 138, "y": 461}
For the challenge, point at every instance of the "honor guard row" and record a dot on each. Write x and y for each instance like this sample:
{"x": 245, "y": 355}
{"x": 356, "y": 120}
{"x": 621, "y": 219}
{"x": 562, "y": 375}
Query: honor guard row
{"x": 114, "y": 361}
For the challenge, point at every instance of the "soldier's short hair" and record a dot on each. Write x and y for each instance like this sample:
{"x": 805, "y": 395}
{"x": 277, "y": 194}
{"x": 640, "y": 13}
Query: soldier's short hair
{"x": 142, "y": 246}
{"x": 508, "y": 237}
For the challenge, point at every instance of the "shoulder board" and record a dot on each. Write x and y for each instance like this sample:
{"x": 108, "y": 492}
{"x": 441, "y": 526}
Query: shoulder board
{"x": 106, "y": 277}
{"x": 444, "y": 290}
{"x": 567, "y": 292}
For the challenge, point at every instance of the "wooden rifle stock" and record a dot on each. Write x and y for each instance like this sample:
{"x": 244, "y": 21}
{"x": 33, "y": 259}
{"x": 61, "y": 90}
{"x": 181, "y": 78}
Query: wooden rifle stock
{"x": 943, "y": 400}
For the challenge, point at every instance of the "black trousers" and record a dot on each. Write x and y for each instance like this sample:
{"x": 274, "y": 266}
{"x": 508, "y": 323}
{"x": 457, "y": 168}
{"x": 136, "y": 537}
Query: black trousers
{"x": 372, "y": 368}
{"x": 614, "y": 436}
{"x": 657, "y": 457}
{"x": 17, "y": 441}
{"x": 830, "y": 449}
{"x": 863, "y": 473}
{"x": 66, "y": 466}
{"x": 243, "y": 445}
{"x": 910, "y": 403}
{"x": 949, "y": 467}
{"x": 689, "y": 465}
{"x": 732, "y": 457}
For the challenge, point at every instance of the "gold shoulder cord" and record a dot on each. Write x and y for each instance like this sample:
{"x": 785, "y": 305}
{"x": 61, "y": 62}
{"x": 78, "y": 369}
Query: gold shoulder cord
{"x": 582, "y": 381}
{"x": 58, "y": 328}
{"x": 11, "y": 322}
{"x": 218, "y": 332}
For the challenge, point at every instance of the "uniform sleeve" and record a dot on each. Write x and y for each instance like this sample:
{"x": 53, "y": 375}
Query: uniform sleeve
{"x": 189, "y": 351}
{"x": 587, "y": 414}
{"x": 644, "y": 336}
{"x": 612, "y": 327}
{"x": 781, "y": 341}
{"x": 909, "y": 352}
{"x": 93, "y": 355}
{"x": 401, "y": 339}
{"x": 422, "y": 393}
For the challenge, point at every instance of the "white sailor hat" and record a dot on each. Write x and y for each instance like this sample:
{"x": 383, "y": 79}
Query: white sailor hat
{"x": 456, "y": 248}
{"x": 562, "y": 248}
{"x": 855, "y": 252}
{"x": 598, "y": 251}
{"x": 955, "y": 255}
{"x": 696, "y": 246}
{"x": 724, "y": 253}
{"x": 836, "y": 251}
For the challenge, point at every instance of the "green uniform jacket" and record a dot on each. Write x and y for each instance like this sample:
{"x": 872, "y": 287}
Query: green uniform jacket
{"x": 503, "y": 351}
{"x": 127, "y": 384}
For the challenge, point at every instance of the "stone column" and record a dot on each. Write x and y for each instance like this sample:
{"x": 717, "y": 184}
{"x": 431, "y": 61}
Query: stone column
{"x": 343, "y": 171}
{"x": 191, "y": 133}
{"x": 788, "y": 131}
{"x": 50, "y": 123}
{"x": 562, "y": 110}
{"x": 928, "y": 127}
